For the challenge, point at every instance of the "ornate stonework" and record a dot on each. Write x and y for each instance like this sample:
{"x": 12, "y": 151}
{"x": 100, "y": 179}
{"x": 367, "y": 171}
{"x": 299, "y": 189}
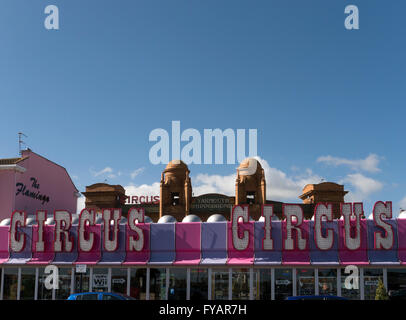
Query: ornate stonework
{"x": 329, "y": 192}
{"x": 176, "y": 195}
{"x": 175, "y": 190}
{"x": 103, "y": 195}
{"x": 250, "y": 187}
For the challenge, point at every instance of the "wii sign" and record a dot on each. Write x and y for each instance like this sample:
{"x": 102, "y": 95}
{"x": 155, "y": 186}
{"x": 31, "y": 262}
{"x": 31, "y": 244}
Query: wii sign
{"x": 99, "y": 281}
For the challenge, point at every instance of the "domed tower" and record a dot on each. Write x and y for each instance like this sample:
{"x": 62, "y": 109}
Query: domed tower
{"x": 250, "y": 186}
{"x": 175, "y": 190}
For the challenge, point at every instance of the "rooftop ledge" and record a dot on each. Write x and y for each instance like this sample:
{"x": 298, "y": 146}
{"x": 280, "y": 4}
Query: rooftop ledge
{"x": 13, "y": 167}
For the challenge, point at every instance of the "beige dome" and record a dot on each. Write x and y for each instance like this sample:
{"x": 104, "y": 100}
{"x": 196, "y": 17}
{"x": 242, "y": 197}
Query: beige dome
{"x": 243, "y": 169}
{"x": 176, "y": 165}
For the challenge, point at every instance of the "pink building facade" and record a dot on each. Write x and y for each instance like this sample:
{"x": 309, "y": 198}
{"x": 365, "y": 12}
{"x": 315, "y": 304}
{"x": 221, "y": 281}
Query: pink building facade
{"x": 32, "y": 183}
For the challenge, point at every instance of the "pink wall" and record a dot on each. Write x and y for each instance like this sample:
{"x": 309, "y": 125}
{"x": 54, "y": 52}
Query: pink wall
{"x": 53, "y": 181}
{"x": 6, "y": 193}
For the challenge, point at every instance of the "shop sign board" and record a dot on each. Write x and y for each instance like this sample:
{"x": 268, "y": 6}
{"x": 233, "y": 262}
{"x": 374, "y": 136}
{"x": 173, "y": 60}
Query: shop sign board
{"x": 80, "y": 268}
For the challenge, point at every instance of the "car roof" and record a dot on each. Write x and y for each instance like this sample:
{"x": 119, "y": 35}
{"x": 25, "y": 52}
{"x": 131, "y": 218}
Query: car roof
{"x": 112, "y": 293}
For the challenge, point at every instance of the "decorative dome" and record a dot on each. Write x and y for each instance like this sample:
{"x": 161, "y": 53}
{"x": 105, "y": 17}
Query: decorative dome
{"x": 323, "y": 218}
{"x": 262, "y": 219}
{"x": 240, "y": 219}
{"x": 5, "y": 222}
{"x": 402, "y": 214}
{"x": 31, "y": 220}
{"x": 352, "y": 217}
{"x": 147, "y": 219}
{"x": 123, "y": 220}
{"x": 167, "y": 219}
{"x": 176, "y": 165}
{"x": 50, "y": 221}
{"x": 99, "y": 219}
{"x": 216, "y": 218}
{"x": 191, "y": 218}
{"x": 246, "y": 164}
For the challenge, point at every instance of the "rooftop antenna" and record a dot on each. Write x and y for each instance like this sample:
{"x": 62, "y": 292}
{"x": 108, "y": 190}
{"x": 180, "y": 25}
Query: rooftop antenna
{"x": 21, "y": 142}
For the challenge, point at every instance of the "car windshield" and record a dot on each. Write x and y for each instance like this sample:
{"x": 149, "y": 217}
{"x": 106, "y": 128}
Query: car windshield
{"x": 88, "y": 296}
{"x": 117, "y": 296}
{"x": 124, "y": 296}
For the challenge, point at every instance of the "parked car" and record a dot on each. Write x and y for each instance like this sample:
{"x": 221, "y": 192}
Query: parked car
{"x": 99, "y": 296}
{"x": 322, "y": 297}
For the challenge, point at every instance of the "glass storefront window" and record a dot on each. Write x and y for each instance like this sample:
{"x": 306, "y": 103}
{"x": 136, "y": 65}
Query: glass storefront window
{"x": 82, "y": 281}
{"x": 397, "y": 284}
{"x": 240, "y": 284}
{"x": 177, "y": 284}
{"x": 27, "y": 289}
{"x": 371, "y": 279}
{"x": 352, "y": 294}
{"x": 263, "y": 284}
{"x": 65, "y": 278}
{"x": 198, "y": 284}
{"x": 283, "y": 283}
{"x": 100, "y": 280}
{"x": 304, "y": 282}
{"x": 219, "y": 285}
{"x": 10, "y": 283}
{"x": 328, "y": 282}
{"x": 119, "y": 280}
{"x": 43, "y": 292}
{"x": 157, "y": 284}
{"x": 138, "y": 283}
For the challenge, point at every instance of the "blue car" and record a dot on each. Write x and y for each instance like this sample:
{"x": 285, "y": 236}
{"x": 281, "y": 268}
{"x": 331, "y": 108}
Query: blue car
{"x": 322, "y": 297}
{"x": 99, "y": 296}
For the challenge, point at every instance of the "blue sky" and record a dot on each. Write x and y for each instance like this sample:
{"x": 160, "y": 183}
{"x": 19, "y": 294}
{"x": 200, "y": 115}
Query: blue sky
{"x": 328, "y": 103}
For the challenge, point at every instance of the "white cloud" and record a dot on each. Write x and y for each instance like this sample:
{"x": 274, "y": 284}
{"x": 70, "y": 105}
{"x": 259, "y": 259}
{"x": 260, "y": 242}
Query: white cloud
{"x": 144, "y": 189}
{"x": 136, "y": 172}
{"x": 369, "y": 164}
{"x": 279, "y": 186}
{"x": 362, "y": 186}
{"x": 104, "y": 171}
{"x": 205, "y": 183}
{"x": 109, "y": 172}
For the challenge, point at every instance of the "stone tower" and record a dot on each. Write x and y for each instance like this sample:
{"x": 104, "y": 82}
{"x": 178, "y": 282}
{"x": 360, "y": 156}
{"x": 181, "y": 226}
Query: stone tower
{"x": 175, "y": 190}
{"x": 102, "y": 195}
{"x": 250, "y": 186}
{"x": 326, "y": 192}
